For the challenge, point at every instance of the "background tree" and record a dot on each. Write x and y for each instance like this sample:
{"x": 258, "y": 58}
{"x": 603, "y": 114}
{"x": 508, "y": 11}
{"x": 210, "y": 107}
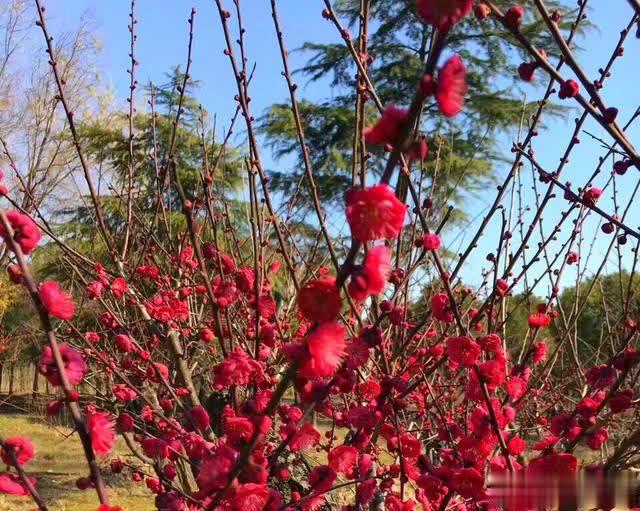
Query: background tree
{"x": 33, "y": 129}
{"x": 108, "y": 145}
{"x": 37, "y": 156}
{"x": 598, "y": 299}
{"x": 463, "y": 153}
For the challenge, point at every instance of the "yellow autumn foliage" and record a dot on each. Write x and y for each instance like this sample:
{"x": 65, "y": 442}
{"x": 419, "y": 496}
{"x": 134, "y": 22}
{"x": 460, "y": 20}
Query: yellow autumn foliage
{"x": 8, "y": 295}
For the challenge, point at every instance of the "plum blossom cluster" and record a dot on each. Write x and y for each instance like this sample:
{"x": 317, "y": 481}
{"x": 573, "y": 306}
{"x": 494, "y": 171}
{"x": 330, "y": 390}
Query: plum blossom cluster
{"x": 241, "y": 383}
{"x": 15, "y": 452}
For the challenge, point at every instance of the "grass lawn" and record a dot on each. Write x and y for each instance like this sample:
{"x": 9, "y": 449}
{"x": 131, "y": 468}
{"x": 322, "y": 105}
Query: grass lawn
{"x": 58, "y": 462}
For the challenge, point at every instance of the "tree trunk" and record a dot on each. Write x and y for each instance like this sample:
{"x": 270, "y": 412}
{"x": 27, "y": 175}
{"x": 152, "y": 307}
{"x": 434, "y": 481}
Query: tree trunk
{"x": 35, "y": 387}
{"x": 11, "y": 374}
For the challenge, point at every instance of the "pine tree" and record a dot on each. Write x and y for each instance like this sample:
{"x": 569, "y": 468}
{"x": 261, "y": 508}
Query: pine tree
{"x": 109, "y": 143}
{"x": 106, "y": 142}
{"x": 465, "y": 151}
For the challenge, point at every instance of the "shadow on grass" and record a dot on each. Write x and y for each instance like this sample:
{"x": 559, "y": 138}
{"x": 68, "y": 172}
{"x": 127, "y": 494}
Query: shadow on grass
{"x": 59, "y": 462}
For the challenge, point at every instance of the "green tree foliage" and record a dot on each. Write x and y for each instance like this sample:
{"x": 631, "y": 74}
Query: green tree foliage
{"x": 110, "y": 144}
{"x": 599, "y": 301}
{"x": 516, "y": 327}
{"x": 597, "y": 304}
{"x": 400, "y": 43}
{"x": 106, "y": 141}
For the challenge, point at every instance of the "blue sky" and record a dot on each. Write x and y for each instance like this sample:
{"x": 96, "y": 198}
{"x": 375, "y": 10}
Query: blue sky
{"x": 162, "y": 35}
{"x": 162, "y": 43}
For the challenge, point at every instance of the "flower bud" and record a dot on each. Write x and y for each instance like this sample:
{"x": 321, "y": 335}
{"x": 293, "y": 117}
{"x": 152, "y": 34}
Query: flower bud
{"x": 482, "y": 11}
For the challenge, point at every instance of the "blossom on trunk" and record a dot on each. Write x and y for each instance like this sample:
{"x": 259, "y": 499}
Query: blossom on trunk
{"x": 452, "y": 86}
{"x": 25, "y": 231}
{"x": 101, "y": 430}
{"x": 371, "y": 279}
{"x": 327, "y": 348}
{"x": 22, "y": 449}
{"x": 57, "y": 303}
{"x": 374, "y": 213}
{"x": 443, "y": 14}
{"x": 74, "y": 365}
{"x": 319, "y": 300}
{"x": 387, "y": 129}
